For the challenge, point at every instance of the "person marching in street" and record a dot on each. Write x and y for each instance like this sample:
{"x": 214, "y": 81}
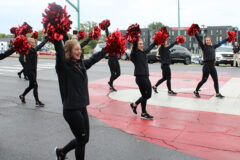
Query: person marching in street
{"x": 31, "y": 71}
{"x": 141, "y": 70}
{"x": 209, "y": 56}
{"x": 164, "y": 52}
{"x": 236, "y": 58}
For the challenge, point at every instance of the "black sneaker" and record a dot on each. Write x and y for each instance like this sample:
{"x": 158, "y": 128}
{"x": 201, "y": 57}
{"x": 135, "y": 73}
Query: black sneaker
{"x": 39, "y": 104}
{"x": 19, "y": 74}
{"x": 26, "y": 78}
{"x": 59, "y": 155}
{"x": 219, "y": 95}
{"x": 134, "y": 109}
{"x": 146, "y": 116}
{"x": 110, "y": 84}
{"x": 172, "y": 93}
{"x": 196, "y": 94}
{"x": 112, "y": 89}
{"x": 22, "y": 98}
{"x": 155, "y": 89}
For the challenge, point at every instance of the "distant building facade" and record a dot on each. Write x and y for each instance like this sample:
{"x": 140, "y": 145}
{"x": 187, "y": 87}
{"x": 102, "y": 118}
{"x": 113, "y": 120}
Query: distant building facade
{"x": 217, "y": 33}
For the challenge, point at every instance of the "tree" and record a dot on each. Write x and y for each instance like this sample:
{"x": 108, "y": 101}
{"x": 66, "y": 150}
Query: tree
{"x": 87, "y": 27}
{"x": 156, "y": 25}
{"x": 3, "y": 35}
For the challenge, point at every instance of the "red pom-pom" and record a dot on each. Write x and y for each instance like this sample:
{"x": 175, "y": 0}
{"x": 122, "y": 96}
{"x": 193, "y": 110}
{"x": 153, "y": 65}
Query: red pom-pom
{"x": 20, "y": 44}
{"x": 193, "y": 29}
{"x": 35, "y": 35}
{"x": 95, "y": 34}
{"x": 161, "y": 36}
{"x": 180, "y": 39}
{"x": 116, "y": 44}
{"x": 104, "y": 24}
{"x": 231, "y": 36}
{"x": 56, "y": 22}
{"x": 133, "y": 33}
{"x": 25, "y": 29}
{"x": 81, "y": 35}
{"x": 14, "y": 30}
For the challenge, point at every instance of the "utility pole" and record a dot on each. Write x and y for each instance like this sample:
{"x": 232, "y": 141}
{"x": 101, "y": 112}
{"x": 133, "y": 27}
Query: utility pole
{"x": 77, "y": 8}
{"x": 179, "y": 18}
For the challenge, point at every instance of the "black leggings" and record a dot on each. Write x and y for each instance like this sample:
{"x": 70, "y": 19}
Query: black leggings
{"x": 166, "y": 75}
{"x": 145, "y": 88}
{"x": 79, "y": 124}
{"x": 32, "y": 76}
{"x": 23, "y": 70}
{"x": 209, "y": 69}
{"x": 115, "y": 71}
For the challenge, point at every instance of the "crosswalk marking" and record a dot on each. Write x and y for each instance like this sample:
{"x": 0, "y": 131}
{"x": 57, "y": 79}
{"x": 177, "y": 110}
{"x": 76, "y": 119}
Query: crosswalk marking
{"x": 16, "y": 68}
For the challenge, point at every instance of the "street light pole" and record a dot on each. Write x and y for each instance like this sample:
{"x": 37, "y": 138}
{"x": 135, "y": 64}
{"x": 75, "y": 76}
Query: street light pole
{"x": 179, "y": 18}
{"x": 77, "y": 8}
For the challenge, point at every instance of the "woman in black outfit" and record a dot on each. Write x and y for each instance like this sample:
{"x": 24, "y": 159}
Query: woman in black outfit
{"x": 165, "y": 65}
{"x": 141, "y": 72}
{"x": 73, "y": 83}
{"x": 208, "y": 64}
{"x": 21, "y": 60}
{"x": 114, "y": 67}
{"x": 7, "y": 53}
{"x": 31, "y": 71}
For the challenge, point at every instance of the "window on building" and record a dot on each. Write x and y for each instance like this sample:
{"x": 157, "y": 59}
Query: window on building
{"x": 216, "y": 39}
{"x": 220, "y": 32}
{"x": 173, "y": 33}
{"x": 220, "y": 38}
{"x": 211, "y": 32}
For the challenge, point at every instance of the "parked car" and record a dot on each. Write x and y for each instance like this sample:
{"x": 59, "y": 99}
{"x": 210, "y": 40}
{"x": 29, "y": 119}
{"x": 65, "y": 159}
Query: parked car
{"x": 195, "y": 60}
{"x": 153, "y": 56}
{"x": 178, "y": 54}
{"x": 224, "y": 55}
{"x": 126, "y": 56}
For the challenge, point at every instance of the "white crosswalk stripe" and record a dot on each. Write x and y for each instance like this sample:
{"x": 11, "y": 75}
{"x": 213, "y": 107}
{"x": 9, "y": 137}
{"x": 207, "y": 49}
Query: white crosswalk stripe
{"x": 16, "y": 68}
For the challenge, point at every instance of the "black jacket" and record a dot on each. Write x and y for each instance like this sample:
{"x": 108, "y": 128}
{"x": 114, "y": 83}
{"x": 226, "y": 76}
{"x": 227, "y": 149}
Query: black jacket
{"x": 7, "y": 53}
{"x": 165, "y": 53}
{"x": 236, "y": 49}
{"x": 209, "y": 51}
{"x": 31, "y": 57}
{"x": 72, "y": 78}
{"x": 140, "y": 61}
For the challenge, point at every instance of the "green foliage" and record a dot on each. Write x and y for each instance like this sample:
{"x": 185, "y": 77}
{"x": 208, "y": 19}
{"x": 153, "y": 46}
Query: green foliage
{"x": 156, "y": 25}
{"x": 87, "y": 49}
{"x": 87, "y": 27}
{"x": 3, "y": 35}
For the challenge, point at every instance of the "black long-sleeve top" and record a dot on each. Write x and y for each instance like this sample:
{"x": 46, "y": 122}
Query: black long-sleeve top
{"x": 72, "y": 78}
{"x": 7, "y": 53}
{"x": 140, "y": 61}
{"x": 165, "y": 53}
{"x": 31, "y": 57}
{"x": 209, "y": 51}
{"x": 236, "y": 49}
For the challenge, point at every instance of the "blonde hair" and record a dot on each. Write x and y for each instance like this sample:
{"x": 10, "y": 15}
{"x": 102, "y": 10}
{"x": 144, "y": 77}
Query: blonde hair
{"x": 68, "y": 48}
{"x": 206, "y": 38}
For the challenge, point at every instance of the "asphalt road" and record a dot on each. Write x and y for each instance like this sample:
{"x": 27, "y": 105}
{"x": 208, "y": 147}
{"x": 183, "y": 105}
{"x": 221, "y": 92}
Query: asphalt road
{"x": 29, "y": 133}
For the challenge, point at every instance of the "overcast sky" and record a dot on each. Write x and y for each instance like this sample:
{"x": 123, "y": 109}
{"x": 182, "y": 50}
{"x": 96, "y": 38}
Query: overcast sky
{"x": 122, "y": 13}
